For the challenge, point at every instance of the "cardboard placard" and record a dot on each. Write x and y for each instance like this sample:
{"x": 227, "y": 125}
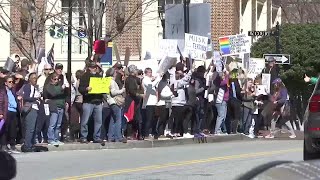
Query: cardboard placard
{"x": 100, "y": 85}
{"x": 196, "y": 46}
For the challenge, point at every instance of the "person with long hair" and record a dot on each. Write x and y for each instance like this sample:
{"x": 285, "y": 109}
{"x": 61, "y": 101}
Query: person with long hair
{"x": 281, "y": 108}
{"x": 116, "y": 102}
{"x": 248, "y": 106}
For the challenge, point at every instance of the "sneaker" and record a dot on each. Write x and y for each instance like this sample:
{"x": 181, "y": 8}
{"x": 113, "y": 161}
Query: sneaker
{"x": 269, "y": 136}
{"x": 83, "y": 141}
{"x": 59, "y": 143}
{"x": 98, "y": 141}
{"x": 251, "y": 136}
{"x": 292, "y": 136}
{"x": 53, "y": 143}
{"x": 14, "y": 150}
{"x": 187, "y": 135}
{"x": 124, "y": 140}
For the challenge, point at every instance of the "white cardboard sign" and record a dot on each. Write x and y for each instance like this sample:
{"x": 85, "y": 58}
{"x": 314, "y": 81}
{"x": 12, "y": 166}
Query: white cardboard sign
{"x": 256, "y": 65}
{"x": 168, "y": 47}
{"x": 266, "y": 78}
{"x": 196, "y": 46}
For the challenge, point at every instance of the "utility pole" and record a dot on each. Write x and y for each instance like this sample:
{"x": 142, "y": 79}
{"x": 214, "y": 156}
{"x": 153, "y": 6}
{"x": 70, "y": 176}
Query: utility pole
{"x": 69, "y": 53}
{"x": 277, "y": 35}
{"x": 186, "y": 15}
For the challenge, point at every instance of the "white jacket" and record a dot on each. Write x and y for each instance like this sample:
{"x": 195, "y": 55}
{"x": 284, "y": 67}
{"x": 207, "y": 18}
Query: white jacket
{"x": 150, "y": 91}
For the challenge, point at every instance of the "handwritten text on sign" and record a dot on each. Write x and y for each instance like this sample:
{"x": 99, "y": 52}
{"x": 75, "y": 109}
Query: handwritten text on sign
{"x": 100, "y": 85}
{"x": 196, "y": 46}
{"x": 234, "y": 44}
{"x": 168, "y": 47}
{"x": 256, "y": 65}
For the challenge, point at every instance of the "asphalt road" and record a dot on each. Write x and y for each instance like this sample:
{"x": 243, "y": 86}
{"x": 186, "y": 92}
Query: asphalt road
{"x": 199, "y": 161}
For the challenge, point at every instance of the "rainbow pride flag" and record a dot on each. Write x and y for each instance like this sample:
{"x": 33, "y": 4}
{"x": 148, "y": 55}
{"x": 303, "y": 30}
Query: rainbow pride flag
{"x": 225, "y": 45}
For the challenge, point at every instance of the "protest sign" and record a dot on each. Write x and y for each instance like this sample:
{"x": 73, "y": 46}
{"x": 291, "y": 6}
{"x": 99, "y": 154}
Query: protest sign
{"x": 256, "y": 65}
{"x": 166, "y": 63}
{"x": 266, "y": 78}
{"x": 167, "y": 47}
{"x": 196, "y": 46}
{"x": 150, "y": 63}
{"x": 234, "y": 44}
{"x": 100, "y": 85}
{"x": 9, "y": 65}
{"x": 216, "y": 55}
{"x": 127, "y": 57}
{"x": 41, "y": 54}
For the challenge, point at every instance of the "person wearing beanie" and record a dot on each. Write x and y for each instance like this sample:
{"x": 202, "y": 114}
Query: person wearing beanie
{"x": 132, "y": 85}
{"x": 92, "y": 104}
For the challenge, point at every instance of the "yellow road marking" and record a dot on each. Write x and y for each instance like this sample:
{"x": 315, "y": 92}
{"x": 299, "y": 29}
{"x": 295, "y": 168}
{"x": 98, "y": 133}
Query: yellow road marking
{"x": 183, "y": 163}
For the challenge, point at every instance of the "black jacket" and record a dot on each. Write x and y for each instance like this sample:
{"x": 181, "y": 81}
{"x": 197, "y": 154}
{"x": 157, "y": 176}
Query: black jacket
{"x": 237, "y": 89}
{"x": 131, "y": 86}
{"x": 84, "y": 83}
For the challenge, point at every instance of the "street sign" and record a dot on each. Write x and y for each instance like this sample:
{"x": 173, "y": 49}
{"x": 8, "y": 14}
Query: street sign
{"x": 280, "y": 58}
{"x": 56, "y": 31}
{"x": 82, "y": 33}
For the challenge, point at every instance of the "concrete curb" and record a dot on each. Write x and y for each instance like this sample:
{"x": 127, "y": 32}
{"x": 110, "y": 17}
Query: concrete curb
{"x": 155, "y": 143}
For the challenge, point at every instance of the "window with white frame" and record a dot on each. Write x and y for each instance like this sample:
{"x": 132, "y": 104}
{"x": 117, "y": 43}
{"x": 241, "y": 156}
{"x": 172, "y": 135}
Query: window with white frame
{"x": 79, "y": 45}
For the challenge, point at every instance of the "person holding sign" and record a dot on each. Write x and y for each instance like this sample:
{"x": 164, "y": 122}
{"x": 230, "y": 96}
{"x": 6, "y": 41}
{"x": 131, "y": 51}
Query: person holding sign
{"x": 92, "y": 104}
{"x": 56, "y": 101}
{"x": 150, "y": 101}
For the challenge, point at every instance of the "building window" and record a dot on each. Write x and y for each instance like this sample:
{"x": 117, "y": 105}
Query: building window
{"x": 173, "y": 1}
{"x": 79, "y": 45}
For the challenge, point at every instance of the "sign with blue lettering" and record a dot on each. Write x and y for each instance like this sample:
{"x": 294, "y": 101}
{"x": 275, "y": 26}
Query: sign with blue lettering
{"x": 196, "y": 46}
{"x": 106, "y": 59}
{"x": 82, "y": 33}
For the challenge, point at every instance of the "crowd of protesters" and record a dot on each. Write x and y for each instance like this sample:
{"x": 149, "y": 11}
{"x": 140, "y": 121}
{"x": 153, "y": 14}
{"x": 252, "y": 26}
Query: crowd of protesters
{"x": 183, "y": 102}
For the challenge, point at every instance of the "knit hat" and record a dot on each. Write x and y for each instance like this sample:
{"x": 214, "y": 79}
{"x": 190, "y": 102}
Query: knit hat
{"x": 110, "y": 72}
{"x": 132, "y": 68}
{"x": 277, "y": 81}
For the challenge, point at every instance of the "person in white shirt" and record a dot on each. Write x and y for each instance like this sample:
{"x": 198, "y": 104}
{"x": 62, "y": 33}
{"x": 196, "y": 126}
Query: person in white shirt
{"x": 150, "y": 101}
{"x": 42, "y": 78}
{"x": 43, "y": 113}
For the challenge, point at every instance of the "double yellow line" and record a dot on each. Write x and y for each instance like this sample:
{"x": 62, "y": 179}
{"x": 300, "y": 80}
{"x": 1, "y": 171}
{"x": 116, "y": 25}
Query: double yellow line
{"x": 183, "y": 163}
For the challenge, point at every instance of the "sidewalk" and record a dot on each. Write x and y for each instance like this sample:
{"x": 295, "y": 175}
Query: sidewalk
{"x": 161, "y": 142}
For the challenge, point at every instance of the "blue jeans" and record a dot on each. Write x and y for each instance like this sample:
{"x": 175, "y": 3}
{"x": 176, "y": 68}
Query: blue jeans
{"x": 115, "y": 128}
{"x": 247, "y": 119}
{"x": 55, "y": 125}
{"x": 222, "y": 113}
{"x": 96, "y": 111}
{"x": 30, "y": 125}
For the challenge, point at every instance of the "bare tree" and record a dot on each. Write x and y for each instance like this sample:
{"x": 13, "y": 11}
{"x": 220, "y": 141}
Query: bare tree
{"x": 120, "y": 18}
{"x": 300, "y": 11}
{"x": 33, "y": 16}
